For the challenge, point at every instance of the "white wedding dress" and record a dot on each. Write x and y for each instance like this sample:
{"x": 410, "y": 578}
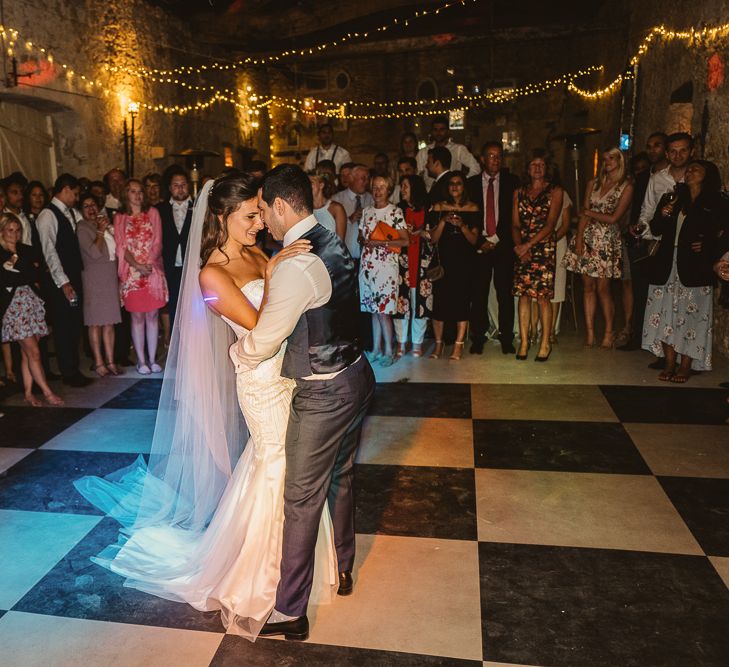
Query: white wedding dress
{"x": 234, "y": 564}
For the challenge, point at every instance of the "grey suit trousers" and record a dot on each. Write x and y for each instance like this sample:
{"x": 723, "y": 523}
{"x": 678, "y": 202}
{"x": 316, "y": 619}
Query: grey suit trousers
{"x": 323, "y": 434}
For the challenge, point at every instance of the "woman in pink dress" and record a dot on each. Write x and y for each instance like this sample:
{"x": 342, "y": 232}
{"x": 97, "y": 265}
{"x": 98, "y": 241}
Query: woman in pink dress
{"x": 138, "y": 236}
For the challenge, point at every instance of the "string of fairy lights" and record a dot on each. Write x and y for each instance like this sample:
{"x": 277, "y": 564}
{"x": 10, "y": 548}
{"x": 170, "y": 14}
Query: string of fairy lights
{"x": 252, "y": 104}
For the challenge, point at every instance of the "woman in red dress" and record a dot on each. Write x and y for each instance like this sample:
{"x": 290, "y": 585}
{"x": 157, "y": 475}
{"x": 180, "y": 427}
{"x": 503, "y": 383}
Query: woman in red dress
{"x": 138, "y": 236}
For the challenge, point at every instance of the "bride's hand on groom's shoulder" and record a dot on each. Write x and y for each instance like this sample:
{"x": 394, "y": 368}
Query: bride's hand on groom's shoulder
{"x": 296, "y": 248}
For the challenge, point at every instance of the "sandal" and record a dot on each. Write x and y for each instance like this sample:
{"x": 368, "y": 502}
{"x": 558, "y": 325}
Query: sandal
{"x": 457, "y": 351}
{"x": 114, "y": 369}
{"x": 33, "y": 401}
{"x": 417, "y": 351}
{"x": 143, "y": 369}
{"x": 54, "y": 399}
{"x": 99, "y": 368}
{"x": 156, "y": 368}
{"x": 437, "y": 350}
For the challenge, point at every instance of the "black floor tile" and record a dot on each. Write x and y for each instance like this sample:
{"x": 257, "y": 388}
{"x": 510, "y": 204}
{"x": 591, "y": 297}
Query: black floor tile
{"x": 43, "y": 480}
{"x": 33, "y": 427}
{"x": 422, "y": 399}
{"x": 236, "y": 651}
{"x": 667, "y": 405}
{"x": 566, "y": 606}
{"x": 415, "y": 501}
{"x": 599, "y": 447}
{"x": 704, "y": 505}
{"x": 144, "y": 395}
{"x": 78, "y": 588}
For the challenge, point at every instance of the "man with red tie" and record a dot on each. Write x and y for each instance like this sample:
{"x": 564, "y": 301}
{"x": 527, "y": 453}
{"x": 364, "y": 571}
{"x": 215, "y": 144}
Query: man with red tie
{"x": 493, "y": 191}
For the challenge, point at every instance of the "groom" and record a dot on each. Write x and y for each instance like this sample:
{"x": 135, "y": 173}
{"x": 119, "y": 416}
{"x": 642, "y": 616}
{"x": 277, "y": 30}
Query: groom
{"x": 312, "y": 302}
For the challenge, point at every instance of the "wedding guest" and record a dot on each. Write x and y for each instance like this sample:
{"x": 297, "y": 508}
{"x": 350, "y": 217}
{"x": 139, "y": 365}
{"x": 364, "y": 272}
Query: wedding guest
{"x": 57, "y": 233}
{"x": 152, "y": 188}
{"x": 596, "y": 252}
{"x": 101, "y": 285}
{"x": 326, "y": 149}
{"x": 560, "y": 275}
{"x": 454, "y": 223}
{"x": 679, "y": 312}
{"x": 381, "y": 165}
{"x": 114, "y": 180}
{"x": 35, "y": 199}
{"x": 461, "y": 158}
{"x": 536, "y": 207}
{"x": 354, "y": 200}
{"x": 23, "y": 312}
{"x": 15, "y": 184}
{"x": 345, "y": 174}
{"x": 379, "y": 267}
{"x": 176, "y": 217}
{"x": 493, "y": 192}
{"x": 138, "y": 238}
{"x": 328, "y": 213}
{"x": 406, "y": 166}
{"x": 634, "y": 245}
{"x": 415, "y": 291}
{"x": 409, "y": 146}
{"x": 438, "y": 166}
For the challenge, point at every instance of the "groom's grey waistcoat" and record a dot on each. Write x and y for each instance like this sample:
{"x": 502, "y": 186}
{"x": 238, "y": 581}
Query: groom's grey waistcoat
{"x": 325, "y": 338}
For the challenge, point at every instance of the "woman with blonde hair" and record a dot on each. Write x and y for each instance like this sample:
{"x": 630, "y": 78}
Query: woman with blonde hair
{"x": 596, "y": 250}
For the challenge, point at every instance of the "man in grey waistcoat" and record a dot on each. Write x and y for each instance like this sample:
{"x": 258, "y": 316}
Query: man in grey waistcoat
{"x": 312, "y": 302}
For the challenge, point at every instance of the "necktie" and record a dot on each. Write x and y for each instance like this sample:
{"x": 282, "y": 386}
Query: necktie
{"x": 490, "y": 210}
{"x": 358, "y": 202}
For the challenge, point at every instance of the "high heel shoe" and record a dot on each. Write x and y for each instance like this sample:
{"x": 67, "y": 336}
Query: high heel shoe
{"x": 541, "y": 358}
{"x": 457, "y": 351}
{"x": 522, "y": 357}
{"x": 437, "y": 350}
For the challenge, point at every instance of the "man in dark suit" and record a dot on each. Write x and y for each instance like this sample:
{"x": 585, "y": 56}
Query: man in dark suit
{"x": 493, "y": 191}
{"x": 438, "y": 166}
{"x": 176, "y": 215}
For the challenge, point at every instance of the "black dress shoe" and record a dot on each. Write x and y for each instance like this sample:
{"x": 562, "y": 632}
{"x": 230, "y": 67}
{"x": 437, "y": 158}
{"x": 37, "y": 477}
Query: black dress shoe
{"x": 477, "y": 347}
{"x": 657, "y": 365}
{"x": 345, "y": 583}
{"x": 77, "y": 380}
{"x": 507, "y": 347}
{"x": 296, "y": 629}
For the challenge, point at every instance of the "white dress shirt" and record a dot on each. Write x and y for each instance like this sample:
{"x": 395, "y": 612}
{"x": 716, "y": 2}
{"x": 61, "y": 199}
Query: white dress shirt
{"x": 26, "y": 229}
{"x": 298, "y": 284}
{"x": 659, "y": 183}
{"x": 338, "y": 154}
{"x": 348, "y": 199}
{"x": 179, "y": 213}
{"x": 47, "y": 226}
{"x": 460, "y": 157}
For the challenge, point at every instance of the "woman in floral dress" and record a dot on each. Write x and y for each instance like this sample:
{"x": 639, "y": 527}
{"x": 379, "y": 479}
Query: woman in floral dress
{"x": 679, "y": 310}
{"x": 596, "y": 251}
{"x": 536, "y": 208}
{"x": 138, "y": 237}
{"x": 379, "y": 268}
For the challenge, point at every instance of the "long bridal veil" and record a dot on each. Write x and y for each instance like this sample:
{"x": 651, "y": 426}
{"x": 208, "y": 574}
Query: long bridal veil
{"x": 199, "y": 433}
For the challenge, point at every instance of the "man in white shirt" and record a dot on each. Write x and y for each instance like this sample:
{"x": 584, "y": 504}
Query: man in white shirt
{"x": 312, "y": 301}
{"x": 326, "y": 150}
{"x": 57, "y": 232}
{"x": 354, "y": 199}
{"x": 114, "y": 179}
{"x": 461, "y": 158}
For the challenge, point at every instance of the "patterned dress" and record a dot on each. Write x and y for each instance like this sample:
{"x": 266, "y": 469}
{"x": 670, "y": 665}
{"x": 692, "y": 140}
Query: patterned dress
{"x": 535, "y": 277}
{"x": 379, "y": 266}
{"x": 414, "y": 262}
{"x": 25, "y": 313}
{"x": 603, "y": 254}
{"x": 141, "y": 235}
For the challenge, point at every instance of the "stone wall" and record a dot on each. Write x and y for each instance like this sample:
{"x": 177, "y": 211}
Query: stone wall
{"x": 87, "y": 124}
{"x": 667, "y": 68}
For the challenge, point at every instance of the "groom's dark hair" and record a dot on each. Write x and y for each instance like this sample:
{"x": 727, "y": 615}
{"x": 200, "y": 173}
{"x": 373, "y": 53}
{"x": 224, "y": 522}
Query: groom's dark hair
{"x": 291, "y": 184}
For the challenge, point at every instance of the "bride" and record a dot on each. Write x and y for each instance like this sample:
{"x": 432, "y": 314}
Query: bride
{"x": 202, "y": 522}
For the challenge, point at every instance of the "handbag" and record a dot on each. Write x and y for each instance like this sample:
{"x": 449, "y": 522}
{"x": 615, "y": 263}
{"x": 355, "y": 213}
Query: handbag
{"x": 383, "y": 232}
{"x": 647, "y": 250}
{"x": 435, "y": 270}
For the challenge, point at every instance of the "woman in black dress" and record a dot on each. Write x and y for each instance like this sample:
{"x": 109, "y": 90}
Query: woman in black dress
{"x": 454, "y": 227}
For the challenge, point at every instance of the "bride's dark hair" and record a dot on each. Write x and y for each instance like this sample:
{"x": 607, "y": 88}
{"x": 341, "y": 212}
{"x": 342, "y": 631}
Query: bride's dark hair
{"x": 227, "y": 194}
